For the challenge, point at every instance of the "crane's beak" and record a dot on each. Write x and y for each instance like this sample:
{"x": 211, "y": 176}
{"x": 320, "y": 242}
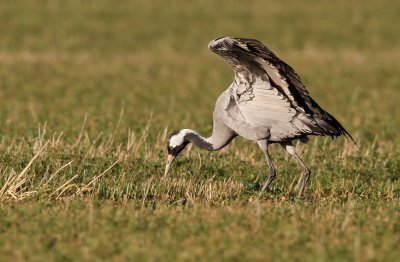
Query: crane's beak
{"x": 170, "y": 158}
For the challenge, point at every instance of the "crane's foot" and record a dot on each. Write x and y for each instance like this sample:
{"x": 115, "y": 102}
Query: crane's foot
{"x": 270, "y": 178}
{"x": 304, "y": 181}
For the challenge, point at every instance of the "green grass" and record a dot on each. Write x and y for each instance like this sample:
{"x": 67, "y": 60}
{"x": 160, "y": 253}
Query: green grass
{"x": 90, "y": 90}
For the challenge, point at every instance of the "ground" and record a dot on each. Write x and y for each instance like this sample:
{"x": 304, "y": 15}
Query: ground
{"x": 90, "y": 90}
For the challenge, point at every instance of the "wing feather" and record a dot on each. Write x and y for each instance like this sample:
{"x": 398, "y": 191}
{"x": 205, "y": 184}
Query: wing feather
{"x": 268, "y": 94}
{"x": 265, "y": 106}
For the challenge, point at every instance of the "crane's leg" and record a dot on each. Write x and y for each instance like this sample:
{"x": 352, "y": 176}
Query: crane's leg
{"x": 306, "y": 171}
{"x": 272, "y": 173}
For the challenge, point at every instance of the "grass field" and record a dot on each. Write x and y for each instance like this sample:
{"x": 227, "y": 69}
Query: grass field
{"x": 90, "y": 90}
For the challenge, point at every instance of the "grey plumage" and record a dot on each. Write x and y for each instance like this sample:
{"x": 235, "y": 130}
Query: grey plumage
{"x": 267, "y": 102}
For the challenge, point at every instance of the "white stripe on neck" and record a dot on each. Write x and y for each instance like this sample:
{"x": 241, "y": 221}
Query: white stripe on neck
{"x": 177, "y": 139}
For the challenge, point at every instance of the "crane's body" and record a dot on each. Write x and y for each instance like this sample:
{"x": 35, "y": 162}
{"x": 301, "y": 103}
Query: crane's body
{"x": 266, "y": 102}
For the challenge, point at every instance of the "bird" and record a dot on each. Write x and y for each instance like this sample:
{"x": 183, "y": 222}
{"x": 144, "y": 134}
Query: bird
{"x": 267, "y": 103}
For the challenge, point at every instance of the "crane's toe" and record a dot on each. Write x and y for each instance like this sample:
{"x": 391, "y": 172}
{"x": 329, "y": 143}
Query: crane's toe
{"x": 304, "y": 181}
{"x": 271, "y": 177}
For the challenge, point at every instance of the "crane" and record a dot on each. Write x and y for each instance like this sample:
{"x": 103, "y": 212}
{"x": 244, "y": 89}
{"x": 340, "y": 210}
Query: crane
{"x": 267, "y": 103}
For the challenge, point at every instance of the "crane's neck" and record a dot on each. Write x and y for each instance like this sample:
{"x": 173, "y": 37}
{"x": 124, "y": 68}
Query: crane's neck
{"x": 216, "y": 141}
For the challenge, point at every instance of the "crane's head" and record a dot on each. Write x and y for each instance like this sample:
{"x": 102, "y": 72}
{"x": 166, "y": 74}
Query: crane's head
{"x": 176, "y": 143}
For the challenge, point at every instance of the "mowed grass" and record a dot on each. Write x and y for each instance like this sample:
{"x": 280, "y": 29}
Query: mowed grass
{"x": 90, "y": 90}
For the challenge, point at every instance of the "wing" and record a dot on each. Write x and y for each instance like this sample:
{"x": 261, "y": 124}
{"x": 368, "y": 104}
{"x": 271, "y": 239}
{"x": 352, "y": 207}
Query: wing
{"x": 260, "y": 104}
{"x": 269, "y": 92}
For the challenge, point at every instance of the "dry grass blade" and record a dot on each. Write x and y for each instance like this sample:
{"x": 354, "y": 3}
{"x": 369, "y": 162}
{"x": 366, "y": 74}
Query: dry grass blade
{"x": 63, "y": 186}
{"x": 23, "y": 172}
{"x": 78, "y": 141}
{"x": 145, "y": 133}
{"x": 105, "y": 171}
{"x": 86, "y": 187}
{"x": 58, "y": 171}
{"x": 12, "y": 186}
{"x": 65, "y": 189}
{"x": 111, "y": 139}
